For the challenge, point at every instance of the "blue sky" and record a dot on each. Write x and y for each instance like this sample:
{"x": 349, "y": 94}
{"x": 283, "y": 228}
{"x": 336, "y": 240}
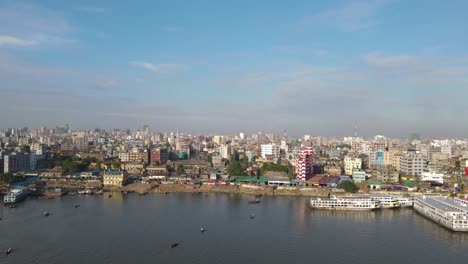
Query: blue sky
{"x": 308, "y": 67}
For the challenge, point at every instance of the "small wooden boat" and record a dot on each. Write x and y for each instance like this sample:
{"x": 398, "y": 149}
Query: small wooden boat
{"x": 46, "y": 213}
{"x": 256, "y": 201}
{"x": 174, "y": 245}
{"x": 202, "y": 229}
{"x": 110, "y": 195}
{"x": 252, "y": 216}
{"x": 8, "y": 251}
{"x": 144, "y": 193}
{"x": 76, "y": 206}
{"x": 259, "y": 195}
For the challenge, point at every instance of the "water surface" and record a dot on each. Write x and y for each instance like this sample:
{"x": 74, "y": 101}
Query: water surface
{"x": 140, "y": 229}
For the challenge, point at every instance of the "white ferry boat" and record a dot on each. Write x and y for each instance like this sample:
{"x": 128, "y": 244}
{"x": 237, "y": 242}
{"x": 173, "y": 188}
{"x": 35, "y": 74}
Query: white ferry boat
{"x": 405, "y": 201}
{"x": 345, "y": 203}
{"x": 16, "y": 195}
{"x": 386, "y": 201}
{"x": 446, "y": 211}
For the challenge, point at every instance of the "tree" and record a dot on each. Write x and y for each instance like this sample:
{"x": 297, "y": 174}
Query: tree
{"x": 180, "y": 169}
{"x": 7, "y": 177}
{"x": 348, "y": 186}
{"x": 270, "y": 166}
{"x": 235, "y": 169}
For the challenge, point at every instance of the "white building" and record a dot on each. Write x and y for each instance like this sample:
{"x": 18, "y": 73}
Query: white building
{"x": 241, "y": 135}
{"x": 124, "y": 156}
{"x": 432, "y": 177}
{"x": 351, "y": 164}
{"x": 225, "y": 151}
{"x": 447, "y": 149}
{"x": 412, "y": 162}
{"x": 270, "y": 150}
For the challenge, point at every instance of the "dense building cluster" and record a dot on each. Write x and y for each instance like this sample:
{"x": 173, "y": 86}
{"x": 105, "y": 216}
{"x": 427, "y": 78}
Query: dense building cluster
{"x": 307, "y": 160}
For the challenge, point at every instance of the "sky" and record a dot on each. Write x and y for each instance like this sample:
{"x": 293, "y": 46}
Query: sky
{"x": 308, "y": 67}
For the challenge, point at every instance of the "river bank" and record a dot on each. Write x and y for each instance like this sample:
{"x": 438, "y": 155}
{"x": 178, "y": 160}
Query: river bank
{"x": 169, "y": 187}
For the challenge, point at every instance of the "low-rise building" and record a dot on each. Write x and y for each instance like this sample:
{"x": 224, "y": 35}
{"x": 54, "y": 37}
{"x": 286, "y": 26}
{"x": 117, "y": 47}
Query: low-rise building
{"x": 387, "y": 174}
{"x": 359, "y": 176}
{"x": 351, "y": 164}
{"x": 115, "y": 178}
{"x": 134, "y": 167}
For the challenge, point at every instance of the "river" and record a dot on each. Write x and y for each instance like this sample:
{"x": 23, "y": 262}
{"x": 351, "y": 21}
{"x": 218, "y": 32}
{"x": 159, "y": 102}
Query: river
{"x": 140, "y": 229}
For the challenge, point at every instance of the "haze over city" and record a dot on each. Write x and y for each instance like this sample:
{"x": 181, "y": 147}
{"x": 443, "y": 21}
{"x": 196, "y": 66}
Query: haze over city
{"x": 308, "y": 67}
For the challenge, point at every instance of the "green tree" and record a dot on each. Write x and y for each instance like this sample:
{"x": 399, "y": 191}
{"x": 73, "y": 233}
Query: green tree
{"x": 348, "y": 186}
{"x": 6, "y": 178}
{"x": 180, "y": 169}
{"x": 235, "y": 169}
{"x": 270, "y": 166}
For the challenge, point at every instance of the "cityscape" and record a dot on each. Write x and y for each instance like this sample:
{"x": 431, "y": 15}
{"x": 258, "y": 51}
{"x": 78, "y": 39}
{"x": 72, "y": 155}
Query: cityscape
{"x": 154, "y": 131}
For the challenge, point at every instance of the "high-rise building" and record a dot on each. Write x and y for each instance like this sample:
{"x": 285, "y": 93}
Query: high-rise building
{"x": 270, "y": 150}
{"x": 446, "y": 148}
{"x": 351, "y": 164}
{"x": 159, "y": 155}
{"x": 412, "y": 162}
{"x": 304, "y": 164}
{"x": 16, "y": 162}
{"x": 225, "y": 151}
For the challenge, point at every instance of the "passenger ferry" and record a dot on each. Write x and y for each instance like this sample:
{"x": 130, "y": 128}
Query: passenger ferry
{"x": 405, "y": 201}
{"x": 16, "y": 195}
{"x": 386, "y": 201}
{"x": 358, "y": 203}
{"x": 446, "y": 211}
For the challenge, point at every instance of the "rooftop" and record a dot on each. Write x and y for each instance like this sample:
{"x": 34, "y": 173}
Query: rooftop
{"x": 444, "y": 203}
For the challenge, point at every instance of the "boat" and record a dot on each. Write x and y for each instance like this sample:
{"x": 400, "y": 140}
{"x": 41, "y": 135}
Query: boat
{"x": 259, "y": 195}
{"x": 256, "y": 201}
{"x": 12, "y": 206}
{"x": 252, "y": 216}
{"x": 386, "y": 201}
{"x": 202, "y": 229}
{"x": 446, "y": 211}
{"x": 174, "y": 245}
{"x": 144, "y": 193}
{"x": 8, "y": 251}
{"x": 100, "y": 192}
{"x": 110, "y": 195}
{"x": 353, "y": 203}
{"x": 89, "y": 191}
{"x": 405, "y": 201}
{"x": 17, "y": 194}
{"x": 76, "y": 206}
{"x": 81, "y": 192}
{"x": 46, "y": 213}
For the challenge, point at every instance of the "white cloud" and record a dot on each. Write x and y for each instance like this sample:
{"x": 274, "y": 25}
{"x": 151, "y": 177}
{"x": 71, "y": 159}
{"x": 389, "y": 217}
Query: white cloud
{"x": 91, "y": 9}
{"x": 29, "y": 25}
{"x": 379, "y": 60}
{"x": 171, "y": 28}
{"x": 353, "y": 16}
{"x": 158, "y": 68}
{"x": 6, "y": 40}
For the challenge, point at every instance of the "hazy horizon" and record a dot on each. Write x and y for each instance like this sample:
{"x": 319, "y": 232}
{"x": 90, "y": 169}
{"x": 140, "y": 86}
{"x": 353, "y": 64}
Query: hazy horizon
{"x": 312, "y": 67}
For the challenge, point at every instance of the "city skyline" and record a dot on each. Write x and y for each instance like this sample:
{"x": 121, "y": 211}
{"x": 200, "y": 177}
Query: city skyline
{"x": 392, "y": 67}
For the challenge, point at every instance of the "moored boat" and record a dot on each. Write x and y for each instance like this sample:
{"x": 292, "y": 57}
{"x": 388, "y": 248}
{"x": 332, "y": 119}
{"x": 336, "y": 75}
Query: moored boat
{"x": 443, "y": 210}
{"x": 354, "y": 203}
{"x": 386, "y": 201}
{"x": 16, "y": 194}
